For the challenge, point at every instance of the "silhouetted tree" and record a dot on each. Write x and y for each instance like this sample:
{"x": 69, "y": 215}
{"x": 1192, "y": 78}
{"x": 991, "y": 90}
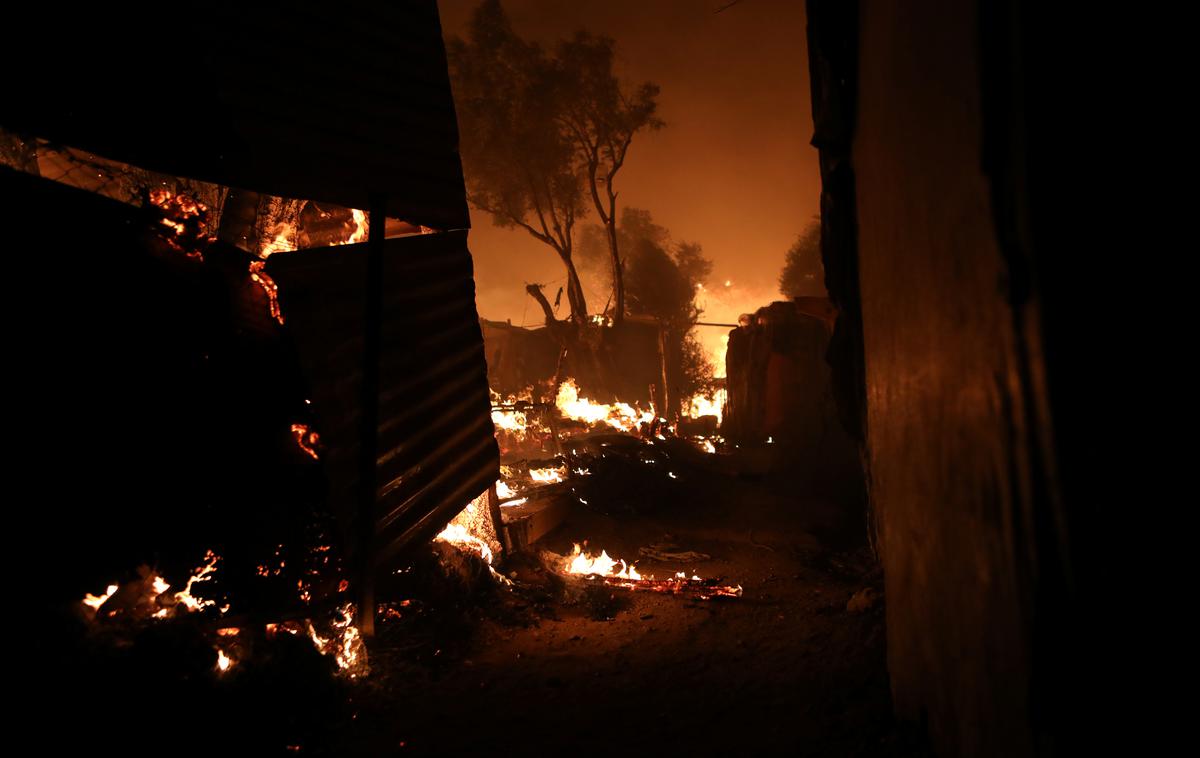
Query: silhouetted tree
{"x": 803, "y": 274}
{"x": 661, "y": 281}
{"x": 520, "y": 166}
{"x": 600, "y": 119}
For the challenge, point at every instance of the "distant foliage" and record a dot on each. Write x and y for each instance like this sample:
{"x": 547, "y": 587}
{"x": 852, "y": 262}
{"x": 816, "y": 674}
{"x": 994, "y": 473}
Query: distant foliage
{"x": 661, "y": 280}
{"x": 803, "y": 273}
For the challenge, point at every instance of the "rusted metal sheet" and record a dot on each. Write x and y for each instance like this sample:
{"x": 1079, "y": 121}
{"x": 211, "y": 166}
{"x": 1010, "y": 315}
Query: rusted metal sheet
{"x": 437, "y": 449}
{"x": 329, "y": 102}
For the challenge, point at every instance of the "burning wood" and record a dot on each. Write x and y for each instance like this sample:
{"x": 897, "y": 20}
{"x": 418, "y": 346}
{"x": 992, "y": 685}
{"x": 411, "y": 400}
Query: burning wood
{"x": 620, "y": 416}
{"x": 306, "y": 438}
{"x": 186, "y": 218}
{"x": 704, "y": 589}
{"x": 602, "y": 568}
{"x": 259, "y": 276}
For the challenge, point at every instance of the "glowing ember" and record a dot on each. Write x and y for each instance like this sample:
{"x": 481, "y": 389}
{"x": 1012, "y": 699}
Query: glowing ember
{"x": 620, "y": 416}
{"x": 306, "y": 439}
{"x": 182, "y": 212}
{"x": 95, "y": 601}
{"x": 202, "y": 574}
{"x": 345, "y": 645}
{"x": 258, "y": 275}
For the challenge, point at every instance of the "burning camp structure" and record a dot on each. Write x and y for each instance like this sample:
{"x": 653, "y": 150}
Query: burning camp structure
{"x": 203, "y": 393}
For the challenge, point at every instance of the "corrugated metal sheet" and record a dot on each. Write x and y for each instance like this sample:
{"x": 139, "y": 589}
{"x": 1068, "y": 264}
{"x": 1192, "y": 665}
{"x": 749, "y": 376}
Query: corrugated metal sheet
{"x": 329, "y": 101}
{"x": 437, "y": 448}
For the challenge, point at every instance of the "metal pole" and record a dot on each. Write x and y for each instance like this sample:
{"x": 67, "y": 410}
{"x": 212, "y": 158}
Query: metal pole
{"x": 369, "y": 439}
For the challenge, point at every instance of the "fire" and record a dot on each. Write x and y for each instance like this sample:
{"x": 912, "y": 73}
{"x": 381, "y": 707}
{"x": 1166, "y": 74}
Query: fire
{"x": 701, "y": 405}
{"x": 259, "y": 275}
{"x": 457, "y": 534}
{"x": 224, "y": 662}
{"x": 603, "y": 568}
{"x": 503, "y": 491}
{"x": 345, "y": 645}
{"x": 620, "y": 416}
{"x": 306, "y": 439}
{"x": 546, "y": 475}
{"x": 95, "y": 601}
{"x": 601, "y": 565}
{"x": 511, "y": 421}
{"x": 360, "y": 228}
{"x": 202, "y": 574}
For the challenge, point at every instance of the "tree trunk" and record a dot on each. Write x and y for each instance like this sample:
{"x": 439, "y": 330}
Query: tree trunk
{"x": 575, "y": 291}
{"x": 618, "y": 273}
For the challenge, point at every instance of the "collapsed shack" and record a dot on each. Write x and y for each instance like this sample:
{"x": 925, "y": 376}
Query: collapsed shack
{"x": 781, "y": 398}
{"x": 282, "y": 428}
{"x": 608, "y": 362}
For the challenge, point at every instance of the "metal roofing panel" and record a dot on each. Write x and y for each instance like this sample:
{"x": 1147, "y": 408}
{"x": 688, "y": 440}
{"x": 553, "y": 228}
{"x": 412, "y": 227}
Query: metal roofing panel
{"x": 328, "y": 102}
{"x": 437, "y": 448}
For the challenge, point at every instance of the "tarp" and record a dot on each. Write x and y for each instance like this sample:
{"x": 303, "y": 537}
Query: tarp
{"x": 328, "y": 102}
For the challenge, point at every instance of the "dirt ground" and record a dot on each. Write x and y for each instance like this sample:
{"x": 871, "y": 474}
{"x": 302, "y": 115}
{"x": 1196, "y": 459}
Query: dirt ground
{"x": 786, "y": 669}
{"x": 462, "y": 664}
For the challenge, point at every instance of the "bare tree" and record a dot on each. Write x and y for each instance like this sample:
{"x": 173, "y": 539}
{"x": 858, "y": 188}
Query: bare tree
{"x": 600, "y": 119}
{"x": 519, "y": 166}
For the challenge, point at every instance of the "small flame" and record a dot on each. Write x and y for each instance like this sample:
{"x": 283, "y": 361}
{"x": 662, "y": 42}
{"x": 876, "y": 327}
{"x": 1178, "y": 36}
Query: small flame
{"x": 503, "y": 491}
{"x": 600, "y": 565}
{"x": 224, "y": 662}
{"x": 346, "y": 645}
{"x": 95, "y": 601}
{"x": 202, "y": 574}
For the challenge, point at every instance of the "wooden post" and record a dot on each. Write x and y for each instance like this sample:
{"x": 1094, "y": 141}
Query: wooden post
{"x": 369, "y": 432}
{"x": 493, "y": 505}
{"x": 665, "y": 412}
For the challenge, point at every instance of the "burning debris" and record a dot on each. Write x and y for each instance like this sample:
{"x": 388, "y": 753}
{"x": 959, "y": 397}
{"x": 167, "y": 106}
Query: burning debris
{"x": 259, "y": 276}
{"x": 306, "y": 439}
{"x": 603, "y": 569}
{"x": 146, "y": 601}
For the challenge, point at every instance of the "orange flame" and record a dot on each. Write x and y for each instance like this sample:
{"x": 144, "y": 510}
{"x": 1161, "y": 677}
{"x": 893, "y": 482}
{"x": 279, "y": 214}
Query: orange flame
{"x": 95, "y": 601}
{"x": 600, "y": 565}
{"x": 620, "y": 416}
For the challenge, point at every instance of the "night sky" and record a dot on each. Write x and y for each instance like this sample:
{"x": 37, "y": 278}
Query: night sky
{"x": 732, "y": 169}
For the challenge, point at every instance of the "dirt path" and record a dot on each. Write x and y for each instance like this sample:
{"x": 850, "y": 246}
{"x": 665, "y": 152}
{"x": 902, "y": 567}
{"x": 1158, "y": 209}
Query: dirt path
{"x": 786, "y": 669}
